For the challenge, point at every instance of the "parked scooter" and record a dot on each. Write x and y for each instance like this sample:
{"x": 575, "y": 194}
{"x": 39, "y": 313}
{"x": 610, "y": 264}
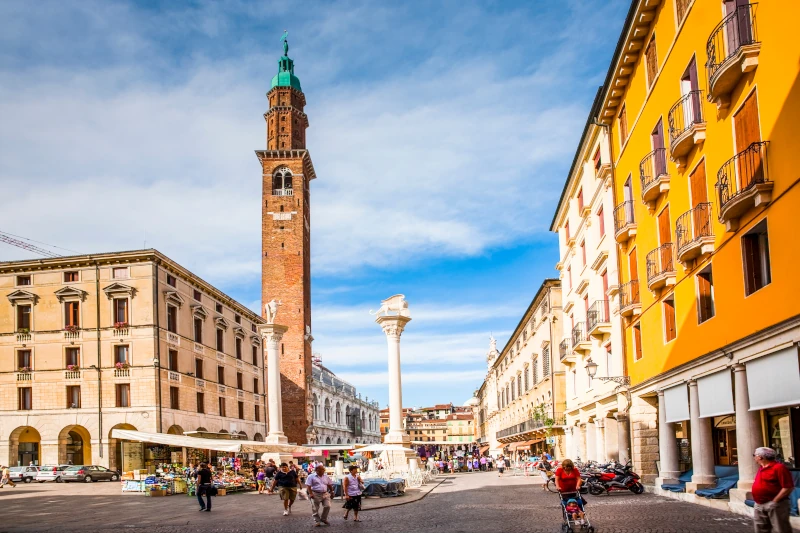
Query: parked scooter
{"x": 614, "y": 479}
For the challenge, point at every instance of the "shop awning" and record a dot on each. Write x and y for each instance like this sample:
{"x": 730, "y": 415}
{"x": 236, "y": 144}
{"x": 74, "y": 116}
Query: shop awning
{"x": 378, "y": 448}
{"x": 220, "y": 445}
{"x": 774, "y": 380}
{"x": 715, "y": 394}
{"x": 676, "y": 403}
{"x": 484, "y": 449}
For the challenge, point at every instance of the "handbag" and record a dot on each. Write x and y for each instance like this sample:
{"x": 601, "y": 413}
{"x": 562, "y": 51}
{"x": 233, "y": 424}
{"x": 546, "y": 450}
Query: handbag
{"x": 212, "y": 490}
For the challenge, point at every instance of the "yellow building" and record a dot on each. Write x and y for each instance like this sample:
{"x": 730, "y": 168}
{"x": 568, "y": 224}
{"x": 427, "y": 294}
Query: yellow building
{"x": 129, "y": 340}
{"x": 702, "y": 99}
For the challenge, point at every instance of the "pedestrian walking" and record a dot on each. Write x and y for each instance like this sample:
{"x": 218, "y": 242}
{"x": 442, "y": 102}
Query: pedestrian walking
{"x": 501, "y": 466}
{"x": 286, "y": 481}
{"x": 352, "y": 489}
{"x": 6, "y": 478}
{"x": 321, "y": 490}
{"x": 261, "y": 480}
{"x": 270, "y": 471}
{"x": 771, "y": 490}
{"x": 545, "y": 469}
{"x": 204, "y": 487}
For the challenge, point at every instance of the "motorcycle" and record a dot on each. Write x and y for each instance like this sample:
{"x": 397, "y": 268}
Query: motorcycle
{"x": 614, "y": 479}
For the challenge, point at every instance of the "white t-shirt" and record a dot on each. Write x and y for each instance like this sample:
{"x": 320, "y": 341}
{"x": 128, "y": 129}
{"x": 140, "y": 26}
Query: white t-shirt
{"x": 501, "y": 463}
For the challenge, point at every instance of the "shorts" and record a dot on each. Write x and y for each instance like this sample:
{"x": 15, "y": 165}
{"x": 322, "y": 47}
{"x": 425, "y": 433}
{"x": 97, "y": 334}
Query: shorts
{"x": 287, "y": 493}
{"x": 261, "y": 483}
{"x": 501, "y": 469}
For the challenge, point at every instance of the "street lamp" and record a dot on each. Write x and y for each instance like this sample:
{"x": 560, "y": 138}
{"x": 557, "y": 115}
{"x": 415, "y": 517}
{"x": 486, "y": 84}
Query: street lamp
{"x": 621, "y": 381}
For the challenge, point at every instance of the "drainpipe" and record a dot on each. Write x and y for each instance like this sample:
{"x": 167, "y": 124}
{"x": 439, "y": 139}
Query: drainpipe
{"x": 552, "y": 351}
{"x": 99, "y": 366}
{"x": 158, "y": 342}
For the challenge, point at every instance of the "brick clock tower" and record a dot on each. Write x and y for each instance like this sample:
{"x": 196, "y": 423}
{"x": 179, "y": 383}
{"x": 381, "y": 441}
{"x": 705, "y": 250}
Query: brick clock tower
{"x": 286, "y": 240}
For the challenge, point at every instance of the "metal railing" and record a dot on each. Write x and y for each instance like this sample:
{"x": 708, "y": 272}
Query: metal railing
{"x": 563, "y": 349}
{"x": 652, "y": 167}
{"x": 660, "y": 261}
{"x": 623, "y": 215}
{"x": 686, "y": 112}
{"x": 629, "y": 294}
{"x": 736, "y": 30}
{"x": 693, "y": 224}
{"x": 282, "y": 192}
{"x": 742, "y": 172}
{"x": 549, "y": 420}
{"x": 597, "y": 314}
{"x": 578, "y": 334}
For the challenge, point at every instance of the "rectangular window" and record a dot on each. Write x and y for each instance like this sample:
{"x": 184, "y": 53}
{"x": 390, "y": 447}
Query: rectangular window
{"x": 255, "y": 385}
{"x": 198, "y": 368}
{"x": 574, "y": 384}
{"x": 257, "y": 414}
{"x": 545, "y": 362}
{"x": 705, "y": 295}
{"x": 123, "y": 394}
{"x": 201, "y": 403}
{"x": 597, "y": 162}
{"x": 238, "y": 348}
{"x": 681, "y": 7}
{"x": 608, "y": 361}
{"x": 221, "y": 402}
{"x": 174, "y": 398}
{"x": 755, "y": 258}
{"x": 196, "y": 295}
{"x": 119, "y": 273}
{"x": 218, "y": 308}
{"x": 173, "y": 360}
{"x": 637, "y": 342}
{"x": 566, "y": 230}
{"x": 71, "y": 314}
{"x": 25, "y": 398}
{"x": 72, "y": 357}
{"x": 220, "y": 339}
{"x": 239, "y": 381}
{"x": 73, "y": 397}
{"x": 651, "y": 58}
{"x": 24, "y": 359}
{"x": 23, "y": 280}
{"x": 198, "y": 330}
{"x": 120, "y": 310}
{"x": 241, "y": 410}
{"x": 255, "y": 355}
{"x": 121, "y": 354}
{"x": 580, "y": 200}
{"x": 535, "y": 370}
{"x": 669, "y": 319}
{"x": 237, "y": 319}
{"x": 601, "y": 223}
{"x": 583, "y": 252}
{"x": 221, "y": 375}
{"x": 172, "y": 319}
{"x": 569, "y": 277}
{"x": 171, "y": 281}
{"x": 24, "y": 318}
{"x": 623, "y": 125}
{"x": 70, "y": 277}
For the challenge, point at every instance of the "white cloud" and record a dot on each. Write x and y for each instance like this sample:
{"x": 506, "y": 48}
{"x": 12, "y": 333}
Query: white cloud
{"x": 373, "y": 379}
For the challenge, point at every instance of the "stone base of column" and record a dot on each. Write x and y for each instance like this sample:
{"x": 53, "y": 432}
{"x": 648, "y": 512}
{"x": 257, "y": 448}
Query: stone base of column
{"x": 278, "y": 457}
{"x": 402, "y": 439}
{"x": 667, "y": 478}
{"x": 276, "y": 438}
{"x": 700, "y": 482}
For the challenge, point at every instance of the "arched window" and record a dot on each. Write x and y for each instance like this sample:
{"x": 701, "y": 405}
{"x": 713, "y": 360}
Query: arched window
{"x": 338, "y": 414}
{"x": 327, "y": 410}
{"x": 315, "y": 406}
{"x": 339, "y": 440}
{"x": 347, "y": 415}
{"x": 282, "y": 181}
{"x": 328, "y": 440}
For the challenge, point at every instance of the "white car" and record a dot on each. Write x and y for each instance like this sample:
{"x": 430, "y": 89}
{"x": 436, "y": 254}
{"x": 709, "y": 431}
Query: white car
{"x": 51, "y": 473}
{"x": 23, "y": 474}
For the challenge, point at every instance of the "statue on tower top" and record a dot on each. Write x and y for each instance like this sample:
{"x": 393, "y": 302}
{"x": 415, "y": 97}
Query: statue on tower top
{"x": 285, "y": 41}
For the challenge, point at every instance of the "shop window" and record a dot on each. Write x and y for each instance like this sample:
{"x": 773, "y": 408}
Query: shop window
{"x": 668, "y": 307}
{"x": 705, "y": 295}
{"x": 174, "y": 398}
{"x": 123, "y": 394}
{"x": 25, "y": 396}
{"x": 201, "y": 403}
{"x": 70, "y": 277}
{"x": 173, "y": 360}
{"x": 23, "y": 280}
{"x": 755, "y": 258}
{"x": 73, "y": 397}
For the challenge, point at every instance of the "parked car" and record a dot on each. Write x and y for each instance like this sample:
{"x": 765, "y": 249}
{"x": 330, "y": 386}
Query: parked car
{"x": 88, "y": 473}
{"x": 20, "y": 474}
{"x": 51, "y": 473}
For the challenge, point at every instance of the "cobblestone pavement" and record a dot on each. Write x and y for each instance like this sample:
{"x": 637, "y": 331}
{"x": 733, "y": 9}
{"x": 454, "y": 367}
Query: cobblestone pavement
{"x": 462, "y": 503}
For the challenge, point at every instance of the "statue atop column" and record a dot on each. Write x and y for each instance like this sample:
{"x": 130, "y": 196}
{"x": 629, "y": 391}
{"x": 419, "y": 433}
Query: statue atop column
{"x": 393, "y": 306}
{"x": 271, "y": 310}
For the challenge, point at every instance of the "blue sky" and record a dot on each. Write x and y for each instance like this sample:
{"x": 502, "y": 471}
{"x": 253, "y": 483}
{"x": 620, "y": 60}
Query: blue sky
{"x": 441, "y": 134}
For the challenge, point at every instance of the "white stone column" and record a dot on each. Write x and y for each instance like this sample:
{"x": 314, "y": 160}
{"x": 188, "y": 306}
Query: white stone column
{"x": 591, "y": 444}
{"x": 702, "y": 444}
{"x": 580, "y": 448}
{"x": 667, "y": 447}
{"x": 272, "y": 335}
{"x": 748, "y": 431}
{"x": 569, "y": 441}
{"x": 393, "y": 326}
{"x": 623, "y": 437}
{"x": 600, "y": 439}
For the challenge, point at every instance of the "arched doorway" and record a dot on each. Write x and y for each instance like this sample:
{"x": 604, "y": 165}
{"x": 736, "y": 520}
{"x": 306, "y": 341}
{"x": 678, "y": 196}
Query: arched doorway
{"x": 124, "y": 455}
{"x": 175, "y": 430}
{"x": 74, "y": 446}
{"x": 24, "y": 446}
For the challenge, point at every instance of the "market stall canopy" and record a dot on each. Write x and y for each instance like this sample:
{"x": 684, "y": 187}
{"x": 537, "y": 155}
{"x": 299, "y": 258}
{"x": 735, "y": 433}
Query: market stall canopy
{"x": 231, "y": 446}
{"x": 385, "y": 448}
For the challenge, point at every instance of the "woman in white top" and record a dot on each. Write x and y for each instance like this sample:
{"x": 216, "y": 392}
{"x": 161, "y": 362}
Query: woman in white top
{"x": 352, "y": 493}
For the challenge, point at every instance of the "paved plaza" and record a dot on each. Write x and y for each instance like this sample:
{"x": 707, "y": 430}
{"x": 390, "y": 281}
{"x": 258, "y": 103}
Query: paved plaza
{"x": 461, "y": 503}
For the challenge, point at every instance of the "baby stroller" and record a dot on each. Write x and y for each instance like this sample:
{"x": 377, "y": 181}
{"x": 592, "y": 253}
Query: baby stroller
{"x": 570, "y": 524}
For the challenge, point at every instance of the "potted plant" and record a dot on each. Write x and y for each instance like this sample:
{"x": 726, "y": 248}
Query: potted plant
{"x": 71, "y": 329}
{"x": 121, "y": 366}
{"x": 24, "y": 331}
{"x": 120, "y": 325}
{"x": 73, "y": 368}
{"x": 24, "y": 369}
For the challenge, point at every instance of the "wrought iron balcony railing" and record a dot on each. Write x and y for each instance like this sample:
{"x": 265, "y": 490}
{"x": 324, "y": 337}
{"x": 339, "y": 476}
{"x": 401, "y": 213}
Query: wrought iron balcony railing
{"x": 693, "y": 225}
{"x": 629, "y": 295}
{"x": 686, "y": 112}
{"x": 736, "y": 30}
{"x": 563, "y": 349}
{"x": 579, "y": 334}
{"x": 623, "y": 215}
{"x": 598, "y": 314}
{"x": 741, "y": 173}
{"x": 652, "y": 167}
{"x": 532, "y": 424}
{"x": 660, "y": 262}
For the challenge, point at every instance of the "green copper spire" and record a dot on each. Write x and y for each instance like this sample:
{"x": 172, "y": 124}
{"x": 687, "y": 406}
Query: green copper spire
{"x": 285, "y": 76}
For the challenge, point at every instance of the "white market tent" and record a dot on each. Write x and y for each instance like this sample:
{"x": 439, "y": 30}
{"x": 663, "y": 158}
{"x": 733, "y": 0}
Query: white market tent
{"x": 220, "y": 445}
{"x": 385, "y": 448}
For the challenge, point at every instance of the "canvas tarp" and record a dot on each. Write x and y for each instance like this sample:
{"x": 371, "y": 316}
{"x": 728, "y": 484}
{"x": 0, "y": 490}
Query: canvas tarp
{"x": 220, "y": 445}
